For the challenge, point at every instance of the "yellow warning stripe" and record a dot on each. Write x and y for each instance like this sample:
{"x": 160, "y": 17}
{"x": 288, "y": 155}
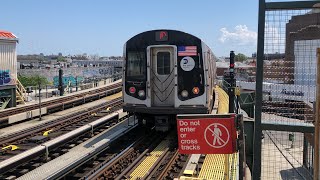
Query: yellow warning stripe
{"x": 223, "y": 106}
{"x": 147, "y": 163}
{"x": 188, "y": 172}
{"x": 215, "y": 165}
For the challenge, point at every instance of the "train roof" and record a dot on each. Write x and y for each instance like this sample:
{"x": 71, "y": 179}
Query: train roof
{"x": 162, "y": 30}
{"x": 172, "y": 37}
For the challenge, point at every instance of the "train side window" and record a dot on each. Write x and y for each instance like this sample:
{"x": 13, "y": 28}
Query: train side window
{"x": 163, "y": 63}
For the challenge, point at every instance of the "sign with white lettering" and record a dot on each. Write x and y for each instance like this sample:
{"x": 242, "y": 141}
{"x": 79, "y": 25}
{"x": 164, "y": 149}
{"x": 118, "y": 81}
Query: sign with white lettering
{"x": 206, "y": 134}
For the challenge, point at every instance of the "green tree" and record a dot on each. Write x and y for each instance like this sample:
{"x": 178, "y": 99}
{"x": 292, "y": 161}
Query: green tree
{"x": 33, "y": 80}
{"x": 61, "y": 59}
{"x": 240, "y": 57}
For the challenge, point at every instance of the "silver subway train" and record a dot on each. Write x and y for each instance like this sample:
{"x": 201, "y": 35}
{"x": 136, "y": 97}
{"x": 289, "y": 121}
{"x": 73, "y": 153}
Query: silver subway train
{"x": 167, "y": 72}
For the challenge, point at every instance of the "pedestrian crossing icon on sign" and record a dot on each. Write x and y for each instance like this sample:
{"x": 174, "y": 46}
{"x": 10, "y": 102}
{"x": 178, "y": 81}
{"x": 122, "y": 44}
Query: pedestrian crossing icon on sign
{"x": 216, "y": 135}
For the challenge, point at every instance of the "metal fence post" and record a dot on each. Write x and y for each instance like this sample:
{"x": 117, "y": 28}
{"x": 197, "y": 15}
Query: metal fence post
{"x": 317, "y": 123}
{"x": 305, "y": 151}
{"x": 256, "y": 173}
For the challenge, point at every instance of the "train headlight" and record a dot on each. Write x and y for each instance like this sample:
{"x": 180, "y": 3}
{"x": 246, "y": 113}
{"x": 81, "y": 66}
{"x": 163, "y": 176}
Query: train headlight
{"x": 195, "y": 90}
{"x": 132, "y": 90}
{"x": 141, "y": 93}
{"x": 184, "y": 93}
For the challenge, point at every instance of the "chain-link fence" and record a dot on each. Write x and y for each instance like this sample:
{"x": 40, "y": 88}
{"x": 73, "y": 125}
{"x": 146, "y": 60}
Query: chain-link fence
{"x": 289, "y": 34}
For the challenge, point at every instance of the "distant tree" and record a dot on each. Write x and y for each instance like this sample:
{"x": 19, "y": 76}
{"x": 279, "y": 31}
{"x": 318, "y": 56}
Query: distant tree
{"x": 240, "y": 57}
{"x": 33, "y": 80}
{"x": 61, "y": 59}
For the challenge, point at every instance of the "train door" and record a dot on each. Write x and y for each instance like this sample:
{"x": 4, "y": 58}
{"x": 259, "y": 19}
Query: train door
{"x": 162, "y": 76}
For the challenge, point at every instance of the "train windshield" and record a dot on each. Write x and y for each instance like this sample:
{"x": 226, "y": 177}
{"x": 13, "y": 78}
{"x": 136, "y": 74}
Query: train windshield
{"x": 136, "y": 65}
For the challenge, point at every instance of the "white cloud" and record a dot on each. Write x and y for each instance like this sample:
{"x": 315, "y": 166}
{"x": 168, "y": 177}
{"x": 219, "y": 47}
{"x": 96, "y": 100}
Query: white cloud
{"x": 241, "y": 36}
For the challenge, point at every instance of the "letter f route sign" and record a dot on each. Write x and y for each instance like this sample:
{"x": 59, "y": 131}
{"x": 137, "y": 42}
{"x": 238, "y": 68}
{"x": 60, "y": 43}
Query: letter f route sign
{"x": 207, "y": 134}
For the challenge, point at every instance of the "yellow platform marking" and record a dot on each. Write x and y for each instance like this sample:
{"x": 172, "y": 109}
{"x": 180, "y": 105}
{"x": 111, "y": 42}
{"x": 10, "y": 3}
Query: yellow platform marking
{"x": 10, "y": 147}
{"x": 223, "y": 106}
{"x": 214, "y": 167}
{"x": 147, "y": 163}
{"x": 114, "y": 96}
{"x": 188, "y": 172}
{"x": 220, "y": 166}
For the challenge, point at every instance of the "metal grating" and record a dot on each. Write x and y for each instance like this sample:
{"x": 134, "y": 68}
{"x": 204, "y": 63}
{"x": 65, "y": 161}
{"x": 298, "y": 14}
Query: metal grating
{"x": 287, "y": 60}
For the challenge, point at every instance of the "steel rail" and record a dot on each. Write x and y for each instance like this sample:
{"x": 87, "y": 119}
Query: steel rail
{"x": 36, "y": 129}
{"x": 4, "y": 114}
{"x": 49, "y": 145}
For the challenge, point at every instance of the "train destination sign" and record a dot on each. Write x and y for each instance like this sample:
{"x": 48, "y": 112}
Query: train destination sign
{"x": 161, "y": 36}
{"x": 206, "y": 134}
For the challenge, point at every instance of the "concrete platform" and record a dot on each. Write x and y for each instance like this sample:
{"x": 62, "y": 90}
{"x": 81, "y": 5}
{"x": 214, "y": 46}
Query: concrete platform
{"x": 63, "y": 164}
{"x": 276, "y": 118}
{"x": 31, "y": 123}
{"x": 191, "y": 167}
{"x": 279, "y": 159}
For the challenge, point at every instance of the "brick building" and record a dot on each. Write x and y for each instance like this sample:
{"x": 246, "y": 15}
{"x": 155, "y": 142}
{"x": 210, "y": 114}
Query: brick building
{"x": 302, "y": 39}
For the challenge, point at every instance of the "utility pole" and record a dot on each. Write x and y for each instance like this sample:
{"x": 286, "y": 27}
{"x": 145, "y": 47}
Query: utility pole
{"x": 232, "y": 83}
{"x": 46, "y": 91}
{"x": 39, "y": 99}
{"x": 76, "y": 83}
{"x": 60, "y": 87}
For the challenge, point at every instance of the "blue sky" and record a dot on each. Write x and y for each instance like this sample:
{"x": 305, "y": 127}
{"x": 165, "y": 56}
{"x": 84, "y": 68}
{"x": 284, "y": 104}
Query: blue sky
{"x": 102, "y": 27}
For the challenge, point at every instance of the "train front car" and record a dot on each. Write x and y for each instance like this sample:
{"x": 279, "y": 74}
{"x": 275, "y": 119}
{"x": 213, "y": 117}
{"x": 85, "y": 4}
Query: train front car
{"x": 167, "y": 72}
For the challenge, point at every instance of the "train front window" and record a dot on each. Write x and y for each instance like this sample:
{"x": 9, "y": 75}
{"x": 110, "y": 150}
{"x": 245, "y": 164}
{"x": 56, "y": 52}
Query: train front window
{"x": 163, "y": 63}
{"x": 136, "y": 65}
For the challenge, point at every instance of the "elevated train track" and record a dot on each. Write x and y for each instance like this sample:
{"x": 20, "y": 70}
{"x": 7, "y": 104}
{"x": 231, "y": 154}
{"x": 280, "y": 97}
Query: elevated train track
{"x": 145, "y": 157}
{"x": 72, "y": 127}
{"x": 149, "y": 157}
{"x": 119, "y": 166}
{"x": 96, "y": 149}
{"x": 58, "y": 124}
{"x": 161, "y": 160}
{"x": 17, "y": 114}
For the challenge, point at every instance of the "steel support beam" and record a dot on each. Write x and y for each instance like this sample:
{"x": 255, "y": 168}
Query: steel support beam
{"x": 307, "y": 128}
{"x": 256, "y": 173}
{"x": 271, "y": 6}
{"x": 316, "y": 163}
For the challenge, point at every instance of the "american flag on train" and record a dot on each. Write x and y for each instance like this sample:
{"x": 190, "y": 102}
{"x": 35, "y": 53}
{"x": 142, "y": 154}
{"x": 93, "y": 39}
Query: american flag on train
{"x": 187, "y": 50}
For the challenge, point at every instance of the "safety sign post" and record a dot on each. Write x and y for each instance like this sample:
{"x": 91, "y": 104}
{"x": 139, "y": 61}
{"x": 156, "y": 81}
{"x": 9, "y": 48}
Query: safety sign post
{"x": 207, "y": 134}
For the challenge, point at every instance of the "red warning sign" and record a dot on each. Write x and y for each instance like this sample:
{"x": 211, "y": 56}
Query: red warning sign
{"x": 206, "y": 134}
